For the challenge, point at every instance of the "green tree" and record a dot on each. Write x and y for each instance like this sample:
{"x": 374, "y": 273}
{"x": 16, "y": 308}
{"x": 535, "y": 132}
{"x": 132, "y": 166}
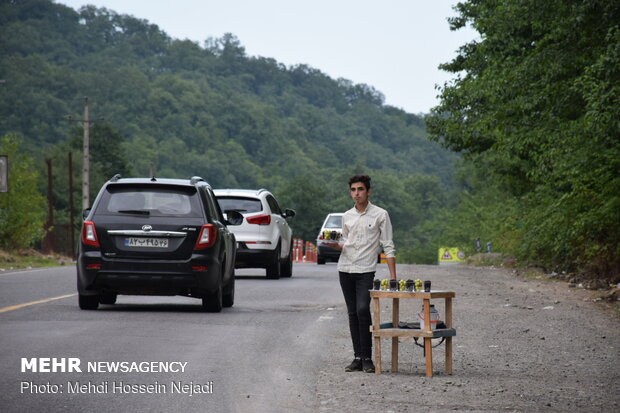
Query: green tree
{"x": 107, "y": 155}
{"x": 306, "y": 196}
{"x": 535, "y": 104}
{"x": 22, "y": 208}
{"x": 189, "y": 109}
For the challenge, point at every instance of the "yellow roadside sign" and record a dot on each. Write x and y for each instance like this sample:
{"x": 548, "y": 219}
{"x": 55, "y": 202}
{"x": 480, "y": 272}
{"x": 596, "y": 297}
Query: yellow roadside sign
{"x": 448, "y": 255}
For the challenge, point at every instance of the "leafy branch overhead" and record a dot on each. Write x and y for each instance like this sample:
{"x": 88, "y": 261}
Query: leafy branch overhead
{"x": 535, "y": 105}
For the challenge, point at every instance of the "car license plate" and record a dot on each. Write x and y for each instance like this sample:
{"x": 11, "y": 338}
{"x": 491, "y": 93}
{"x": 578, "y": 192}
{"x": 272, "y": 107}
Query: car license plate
{"x": 147, "y": 242}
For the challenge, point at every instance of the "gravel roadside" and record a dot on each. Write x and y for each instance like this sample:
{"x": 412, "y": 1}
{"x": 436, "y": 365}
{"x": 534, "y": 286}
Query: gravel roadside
{"x": 522, "y": 345}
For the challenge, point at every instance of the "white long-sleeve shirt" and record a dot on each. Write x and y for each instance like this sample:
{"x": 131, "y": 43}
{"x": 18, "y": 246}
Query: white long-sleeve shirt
{"x": 364, "y": 234}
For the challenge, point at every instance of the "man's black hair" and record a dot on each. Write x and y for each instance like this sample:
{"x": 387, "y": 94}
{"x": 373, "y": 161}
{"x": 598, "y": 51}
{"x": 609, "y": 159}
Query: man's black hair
{"x": 365, "y": 179}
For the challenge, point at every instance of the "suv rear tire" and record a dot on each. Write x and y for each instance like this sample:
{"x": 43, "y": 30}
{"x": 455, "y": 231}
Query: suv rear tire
{"x": 229, "y": 296}
{"x": 273, "y": 269}
{"x": 107, "y": 298}
{"x": 286, "y": 266}
{"x": 88, "y": 302}
{"x": 213, "y": 303}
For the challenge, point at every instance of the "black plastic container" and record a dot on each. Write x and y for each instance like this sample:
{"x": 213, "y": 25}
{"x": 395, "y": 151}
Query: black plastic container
{"x": 410, "y": 285}
{"x": 427, "y": 286}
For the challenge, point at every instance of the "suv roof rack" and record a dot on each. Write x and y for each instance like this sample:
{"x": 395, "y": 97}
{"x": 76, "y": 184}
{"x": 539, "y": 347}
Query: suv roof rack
{"x": 115, "y": 178}
{"x": 195, "y": 179}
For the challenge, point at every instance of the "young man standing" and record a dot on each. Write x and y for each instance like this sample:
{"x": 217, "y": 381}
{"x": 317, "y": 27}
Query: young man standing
{"x": 366, "y": 229}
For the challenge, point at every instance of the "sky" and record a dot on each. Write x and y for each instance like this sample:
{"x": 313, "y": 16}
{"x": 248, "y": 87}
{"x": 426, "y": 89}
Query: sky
{"x": 394, "y": 46}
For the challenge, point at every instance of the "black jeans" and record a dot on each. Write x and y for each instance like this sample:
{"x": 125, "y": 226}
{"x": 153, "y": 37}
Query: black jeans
{"x": 355, "y": 290}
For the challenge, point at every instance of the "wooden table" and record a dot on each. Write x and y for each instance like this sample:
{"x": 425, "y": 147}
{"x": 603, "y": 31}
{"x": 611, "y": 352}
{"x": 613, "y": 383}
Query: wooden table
{"x": 427, "y": 333}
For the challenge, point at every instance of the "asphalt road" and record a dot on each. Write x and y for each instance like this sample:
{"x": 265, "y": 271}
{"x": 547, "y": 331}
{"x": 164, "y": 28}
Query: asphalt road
{"x": 522, "y": 345}
{"x": 262, "y": 355}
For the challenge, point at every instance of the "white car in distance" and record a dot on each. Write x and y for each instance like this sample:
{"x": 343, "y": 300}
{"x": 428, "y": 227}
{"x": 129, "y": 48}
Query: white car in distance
{"x": 331, "y": 231}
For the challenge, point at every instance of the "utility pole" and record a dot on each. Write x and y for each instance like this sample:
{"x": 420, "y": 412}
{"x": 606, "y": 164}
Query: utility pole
{"x": 86, "y": 159}
{"x": 86, "y": 122}
{"x": 71, "y": 206}
{"x": 48, "y": 241}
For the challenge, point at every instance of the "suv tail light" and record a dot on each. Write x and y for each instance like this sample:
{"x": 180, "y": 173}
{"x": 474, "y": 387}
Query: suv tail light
{"x": 259, "y": 220}
{"x": 206, "y": 238}
{"x": 89, "y": 234}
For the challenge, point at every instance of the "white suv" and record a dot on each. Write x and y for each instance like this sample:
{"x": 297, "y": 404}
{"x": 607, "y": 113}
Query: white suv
{"x": 264, "y": 239}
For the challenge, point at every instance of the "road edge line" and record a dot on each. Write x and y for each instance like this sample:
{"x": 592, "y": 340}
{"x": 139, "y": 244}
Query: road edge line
{"x": 18, "y": 306}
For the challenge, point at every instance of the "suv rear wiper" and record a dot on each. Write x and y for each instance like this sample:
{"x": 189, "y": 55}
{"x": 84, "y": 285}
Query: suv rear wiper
{"x": 135, "y": 211}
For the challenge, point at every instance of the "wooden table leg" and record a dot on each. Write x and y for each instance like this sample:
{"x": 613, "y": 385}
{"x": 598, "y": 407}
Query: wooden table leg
{"x": 376, "y": 325}
{"x": 448, "y": 355}
{"x": 395, "y": 320}
{"x": 428, "y": 342}
{"x": 428, "y": 349}
{"x": 378, "y": 355}
{"x": 448, "y": 339}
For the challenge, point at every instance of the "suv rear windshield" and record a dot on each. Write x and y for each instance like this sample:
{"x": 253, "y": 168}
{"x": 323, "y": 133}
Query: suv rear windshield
{"x": 150, "y": 200}
{"x": 239, "y": 204}
{"x": 335, "y": 221}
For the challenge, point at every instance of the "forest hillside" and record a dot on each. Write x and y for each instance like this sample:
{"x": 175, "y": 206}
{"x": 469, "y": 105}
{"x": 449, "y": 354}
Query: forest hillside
{"x": 179, "y": 108}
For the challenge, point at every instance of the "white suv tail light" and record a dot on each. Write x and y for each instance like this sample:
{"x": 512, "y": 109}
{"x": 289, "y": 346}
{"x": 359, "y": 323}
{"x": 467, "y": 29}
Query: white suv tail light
{"x": 259, "y": 220}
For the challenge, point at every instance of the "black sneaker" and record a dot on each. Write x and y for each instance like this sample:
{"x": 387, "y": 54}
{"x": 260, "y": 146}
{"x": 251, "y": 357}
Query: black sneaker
{"x": 368, "y": 366}
{"x": 356, "y": 365}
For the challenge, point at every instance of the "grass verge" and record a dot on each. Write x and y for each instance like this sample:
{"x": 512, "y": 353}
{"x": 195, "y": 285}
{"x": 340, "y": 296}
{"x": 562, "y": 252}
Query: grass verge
{"x": 24, "y": 259}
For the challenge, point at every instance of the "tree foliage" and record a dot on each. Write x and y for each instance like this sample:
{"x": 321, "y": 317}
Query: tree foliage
{"x": 22, "y": 208}
{"x": 535, "y": 103}
{"x": 183, "y": 109}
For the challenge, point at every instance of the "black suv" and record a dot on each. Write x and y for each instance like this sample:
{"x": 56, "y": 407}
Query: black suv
{"x": 148, "y": 236}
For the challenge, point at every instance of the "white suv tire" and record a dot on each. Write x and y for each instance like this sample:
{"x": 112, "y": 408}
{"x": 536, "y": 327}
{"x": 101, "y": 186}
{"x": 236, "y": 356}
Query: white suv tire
{"x": 286, "y": 265}
{"x": 273, "y": 269}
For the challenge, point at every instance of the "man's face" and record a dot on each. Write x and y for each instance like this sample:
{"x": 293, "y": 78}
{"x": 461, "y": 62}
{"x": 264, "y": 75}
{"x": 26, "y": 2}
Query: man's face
{"x": 359, "y": 193}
